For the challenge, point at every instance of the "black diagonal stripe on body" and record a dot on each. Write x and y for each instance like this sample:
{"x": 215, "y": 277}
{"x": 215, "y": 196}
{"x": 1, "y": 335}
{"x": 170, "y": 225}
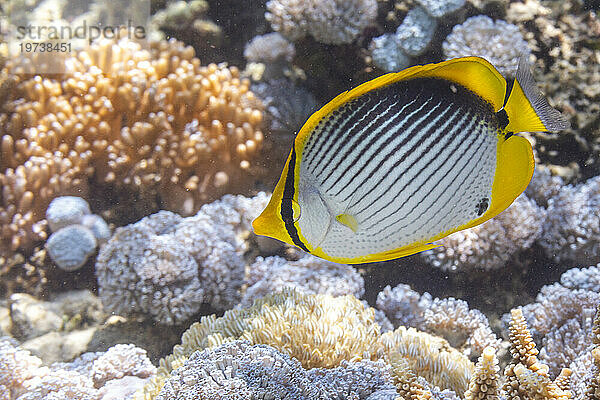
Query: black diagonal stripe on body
{"x": 473, "y": 139}
{"x": 407, "y": 197}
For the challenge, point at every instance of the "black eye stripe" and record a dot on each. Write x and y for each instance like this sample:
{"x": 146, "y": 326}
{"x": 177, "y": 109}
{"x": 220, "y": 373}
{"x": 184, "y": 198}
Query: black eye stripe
{"x": 287, "y": 213}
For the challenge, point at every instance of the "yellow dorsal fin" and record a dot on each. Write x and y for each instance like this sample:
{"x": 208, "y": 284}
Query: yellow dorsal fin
{"x": 527, "y": 109}
{"x": 474, "y": 73}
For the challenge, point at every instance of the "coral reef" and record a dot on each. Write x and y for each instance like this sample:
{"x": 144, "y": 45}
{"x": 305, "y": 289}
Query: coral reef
{"x": 24, "y": 378}
{"x": 393, "y": 52}
{"x": 429, "y": 357}
{"x": 499, "y": 42}
{"x": 66, "y": 210}
{"x": 308, "y": 275}
{"x": 317, "y": 330}
{"x": 572, "y": 229}
{"x": 564, "y": 37}
{"x": 287, "y": 107}
{"x": 562, "y": 320}
{"x": 71, "y": 246}
{"x": 154, "y": 121}
{"x": 330, "y": 21}
{"x": 465, "y": 329}
{"x": 77, "y": 232}
{"x": 165, "y": 266}
{"x": 492, "y": 244}
{"x": 187, "y": 21}
{"x": 484, "y": 382}
{"x": 239, "y": 368}
{"x": 119, "y": 361}
{"x": 269, "y": 48}
{"x": 525, "y": 374}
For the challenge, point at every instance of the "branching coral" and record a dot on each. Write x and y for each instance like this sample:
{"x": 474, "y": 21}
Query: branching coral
{"x": 16, "y": 367}
{"x": 430, "y": 357}
{"x": 484, "y": 382}
{"x": 492, "y": 244}
{"x": 465, "y": 329}
{"x": 119, "y": 361}
{"x": 140, "y": 272}
{"x": 498, "y": 42}
{"x": 525, "y": 376}
{"x": 187, "y": 21}
{"x": 330, "y": 21}
{"x": 155, "y": 119}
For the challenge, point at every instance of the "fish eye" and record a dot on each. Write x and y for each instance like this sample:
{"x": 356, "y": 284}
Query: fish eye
{"x": 295, "y": 210}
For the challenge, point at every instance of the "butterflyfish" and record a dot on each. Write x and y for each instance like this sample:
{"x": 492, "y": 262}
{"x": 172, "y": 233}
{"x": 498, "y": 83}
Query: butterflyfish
{"x": 384, "y": 170}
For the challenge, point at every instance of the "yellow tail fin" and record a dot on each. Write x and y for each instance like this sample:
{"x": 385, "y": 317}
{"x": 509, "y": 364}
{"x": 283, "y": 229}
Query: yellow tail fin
{"x": 527, "y": 109}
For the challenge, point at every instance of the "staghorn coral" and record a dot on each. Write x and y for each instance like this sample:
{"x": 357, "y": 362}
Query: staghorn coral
{"x": 465, "y": 329}
{"x": 492, "y": 244}
{"x": 154, "y": 120}
{"x": 317, "y": 330}
{"x": 330, "y": 21}
{"x": 525, "y": 376}
{"x": 572, "y": 230}
{"x": 484, "y": 382}
{"x": 592, "y": 391}
{"x": 499, "y": 42}
{"x": 407, "y": 383}
{"x": 429, "y": 357}
{"x": 308, "y": 275}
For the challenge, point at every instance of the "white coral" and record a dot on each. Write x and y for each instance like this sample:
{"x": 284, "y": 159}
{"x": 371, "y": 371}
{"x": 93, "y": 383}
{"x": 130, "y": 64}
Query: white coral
{"x": 165, "y": 266}
{"x": 309, "y": 275}
{"x": 328, "y": 21}
{"x": 498, "y": 42}
{"x": 572, "y": 229}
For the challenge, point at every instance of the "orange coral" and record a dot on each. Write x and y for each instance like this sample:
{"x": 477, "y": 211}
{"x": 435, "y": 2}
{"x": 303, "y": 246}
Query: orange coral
{"x": 140, "y": 119}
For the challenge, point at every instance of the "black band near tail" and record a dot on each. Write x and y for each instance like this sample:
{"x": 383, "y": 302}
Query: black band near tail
{"x": 502, "y": 118}
{"x": 287, "y": 213}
